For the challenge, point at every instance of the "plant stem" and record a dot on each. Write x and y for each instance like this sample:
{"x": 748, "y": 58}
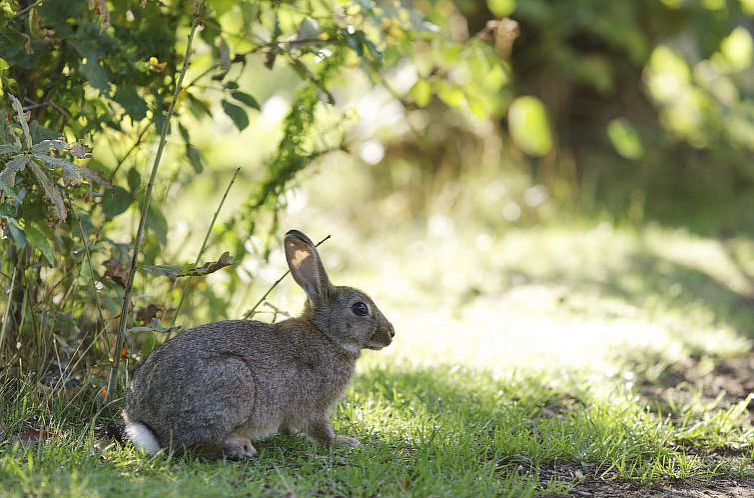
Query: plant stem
{"x": 112, "y": 383}
{"x": 253, "y": 309}
{"x": 184, "y": 285}
{"x": 27, "y": 9}
{"x": 6, "y": 317}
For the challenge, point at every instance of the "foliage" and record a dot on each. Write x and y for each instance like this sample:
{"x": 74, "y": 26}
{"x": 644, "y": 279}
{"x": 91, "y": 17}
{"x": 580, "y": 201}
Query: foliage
{"x": 104, "y": 74}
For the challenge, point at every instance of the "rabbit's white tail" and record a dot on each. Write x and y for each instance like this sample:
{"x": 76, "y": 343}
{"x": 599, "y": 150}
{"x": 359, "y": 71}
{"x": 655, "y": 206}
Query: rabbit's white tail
{"x": 142, "y": 437}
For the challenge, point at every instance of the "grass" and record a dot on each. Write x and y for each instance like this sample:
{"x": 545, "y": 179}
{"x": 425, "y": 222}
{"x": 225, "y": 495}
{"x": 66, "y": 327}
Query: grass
{"x": 516, "y": 355}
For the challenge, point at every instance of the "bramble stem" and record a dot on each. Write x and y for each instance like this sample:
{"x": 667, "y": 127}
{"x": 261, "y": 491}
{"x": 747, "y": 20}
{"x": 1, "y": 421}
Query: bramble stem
{"x": 112, "y": 383}
{"x": 201, "y": 250}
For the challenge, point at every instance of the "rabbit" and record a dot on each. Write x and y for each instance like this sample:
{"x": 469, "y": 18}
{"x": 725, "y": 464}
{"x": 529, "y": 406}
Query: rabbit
{"x": 215, "y": 388}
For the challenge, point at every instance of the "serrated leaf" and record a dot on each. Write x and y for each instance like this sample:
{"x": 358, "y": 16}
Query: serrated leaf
{"x": 97, "y": 76}
{"x": 80, "y": 150}
{"x": 48, "y": 145}
{"x": 8, "y": 175}
{"x": 50, "y": 191}
{"x": 188, "y": 270}
{"x": 237, "y": 114}
{"x": 70, "y": 170}
{"x": 39, "y": 240}
{"x": 133, "y": 104}
{"x": 9, "y": 148}
{"x": 21, "y": 118}
{"x": 247, "y": 99}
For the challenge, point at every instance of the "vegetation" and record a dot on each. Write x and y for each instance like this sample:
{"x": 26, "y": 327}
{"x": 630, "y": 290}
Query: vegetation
{"x": 552, "y": 199}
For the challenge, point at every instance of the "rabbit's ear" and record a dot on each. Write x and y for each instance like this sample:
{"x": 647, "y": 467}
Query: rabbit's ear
{"x": 305, "y": 265}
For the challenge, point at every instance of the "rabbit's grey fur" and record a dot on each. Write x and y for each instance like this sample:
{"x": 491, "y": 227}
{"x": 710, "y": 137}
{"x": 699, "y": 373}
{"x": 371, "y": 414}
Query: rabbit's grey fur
{"x": 216, "y": 387}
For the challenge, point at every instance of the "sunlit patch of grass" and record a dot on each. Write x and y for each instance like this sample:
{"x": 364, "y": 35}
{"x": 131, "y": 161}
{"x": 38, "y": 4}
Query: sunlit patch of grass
{"x": 527, "y": 352}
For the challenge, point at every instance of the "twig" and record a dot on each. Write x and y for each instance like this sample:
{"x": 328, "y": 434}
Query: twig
{"x": 276, "y": 311}
{"x": 103, "y": 324}
{"x": 277, "y": 282}
{"x": 27, "y": 9}
{"x": 112, "y": 383}
{"x": 139, "y": 139}
{"x": 6, "y": 317}
{"x": 184, "y": 284}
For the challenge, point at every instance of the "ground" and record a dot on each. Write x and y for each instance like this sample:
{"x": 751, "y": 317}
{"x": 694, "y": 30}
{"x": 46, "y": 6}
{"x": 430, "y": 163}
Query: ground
{"x": 584, "y": 361}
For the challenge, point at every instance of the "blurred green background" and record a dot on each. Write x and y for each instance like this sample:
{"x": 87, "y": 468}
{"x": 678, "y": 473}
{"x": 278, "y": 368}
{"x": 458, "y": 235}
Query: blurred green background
{"x": 490, "y": 171}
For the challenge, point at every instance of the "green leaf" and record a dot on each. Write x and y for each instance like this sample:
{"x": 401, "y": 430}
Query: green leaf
{"x": 246, "y": 99}
{"x": 194, "y": 158}
{"x": 9, "y": 148}
{"x": 197, "y": 107}
{"x": 450, "y": 94}
{"x": 237, "y": 114}
{"x": 48, "y": 145}
{"x": 129, "y": 98}
{"x": 529, "y": 127}
{"x": 50, "y": 191}
{"x": 134, "y": 179}
{"x": 501, "y": 8}
{"x": 625, "y": 139}
{"x": 188, "y": 270}
{"x": 158, "y": 224}
{"x": 68, "y": 167}
{"x": 96, "y": 75}
{"x": 39, "y": 240}
{"x": 421, "y": 93}
{"x": 115, "y": 201}
{"x": 16, "y": 233}
{"x": 18, "y": 163}
{"x": 21, "y": 119}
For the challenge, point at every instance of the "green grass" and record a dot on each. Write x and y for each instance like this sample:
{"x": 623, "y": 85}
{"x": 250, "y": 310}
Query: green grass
{"x": 550, "y": 347}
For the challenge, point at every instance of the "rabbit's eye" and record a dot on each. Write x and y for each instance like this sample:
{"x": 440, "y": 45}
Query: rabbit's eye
{"x": 360, "y": 309}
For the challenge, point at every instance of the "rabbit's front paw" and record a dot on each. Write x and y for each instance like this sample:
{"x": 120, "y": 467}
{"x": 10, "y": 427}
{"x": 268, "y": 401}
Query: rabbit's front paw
{"x": 238, "y": 447}
{"x": 350, "y": 442}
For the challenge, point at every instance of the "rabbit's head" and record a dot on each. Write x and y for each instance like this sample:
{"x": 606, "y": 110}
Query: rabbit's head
{"x": 347, "y": 315}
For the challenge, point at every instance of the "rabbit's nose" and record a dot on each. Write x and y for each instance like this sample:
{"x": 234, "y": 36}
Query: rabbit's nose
{"x": 390, "y": 330}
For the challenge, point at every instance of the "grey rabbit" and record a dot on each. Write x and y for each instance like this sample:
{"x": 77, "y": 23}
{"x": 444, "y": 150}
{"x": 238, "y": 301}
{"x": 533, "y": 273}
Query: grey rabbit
{"x": 215, "y": 388}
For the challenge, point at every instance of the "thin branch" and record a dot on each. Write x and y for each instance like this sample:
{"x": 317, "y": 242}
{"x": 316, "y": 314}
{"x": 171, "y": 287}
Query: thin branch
{"x": 102, "y": 323}
{"x": 184, "y": 285}
{"x": 27, "y": 9}
{"x": 277, "y": 282}
{"x": 134, "y": 146}
{"x": 122, "y": 324}
{"x": 6, "y": 317}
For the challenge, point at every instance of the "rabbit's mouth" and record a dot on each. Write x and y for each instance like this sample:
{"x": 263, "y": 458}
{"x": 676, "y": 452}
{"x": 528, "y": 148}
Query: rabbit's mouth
{"x": 381, "y": 338}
